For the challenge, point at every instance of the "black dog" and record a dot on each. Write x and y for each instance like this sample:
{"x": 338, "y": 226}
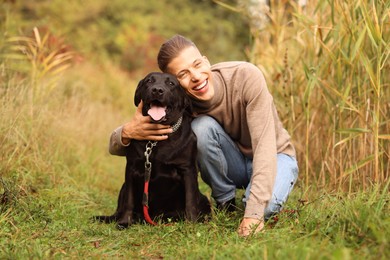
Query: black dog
{"x": 173, "y": 186}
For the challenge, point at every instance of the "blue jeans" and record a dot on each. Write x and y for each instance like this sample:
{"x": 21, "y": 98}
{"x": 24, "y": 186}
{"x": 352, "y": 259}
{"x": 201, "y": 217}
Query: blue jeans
{"x": 224, "y": 168}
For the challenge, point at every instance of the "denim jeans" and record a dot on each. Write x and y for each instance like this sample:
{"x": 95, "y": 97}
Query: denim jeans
{"x": 224, "y": 168}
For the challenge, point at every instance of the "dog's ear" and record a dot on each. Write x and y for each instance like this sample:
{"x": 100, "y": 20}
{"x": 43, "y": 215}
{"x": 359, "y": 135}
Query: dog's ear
{"x": 137, "y": 95}
{"x": 188, "y": 105}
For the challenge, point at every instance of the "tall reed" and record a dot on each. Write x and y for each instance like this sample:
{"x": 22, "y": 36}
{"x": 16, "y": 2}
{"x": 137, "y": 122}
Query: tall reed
{"x": 328, "y": 67}
{"x": 42, "y": 57}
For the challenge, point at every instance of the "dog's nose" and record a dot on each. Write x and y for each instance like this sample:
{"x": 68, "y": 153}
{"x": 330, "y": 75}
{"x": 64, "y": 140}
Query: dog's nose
{"x": 157, "y": 91}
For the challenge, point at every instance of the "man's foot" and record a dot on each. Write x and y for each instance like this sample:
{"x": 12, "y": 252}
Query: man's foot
{"x": 228, "y": 206}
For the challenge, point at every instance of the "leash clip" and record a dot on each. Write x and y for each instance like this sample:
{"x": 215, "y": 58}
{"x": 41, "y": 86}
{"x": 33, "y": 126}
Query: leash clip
{"x": 148, "y": 151}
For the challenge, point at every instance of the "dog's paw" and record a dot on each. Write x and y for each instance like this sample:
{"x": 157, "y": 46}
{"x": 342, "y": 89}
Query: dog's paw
{"x": 124, "y": 222}
{"x": 122, "y": 226}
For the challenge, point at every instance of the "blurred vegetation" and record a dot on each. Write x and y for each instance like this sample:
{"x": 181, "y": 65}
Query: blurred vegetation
{"x": 129, "y": 33}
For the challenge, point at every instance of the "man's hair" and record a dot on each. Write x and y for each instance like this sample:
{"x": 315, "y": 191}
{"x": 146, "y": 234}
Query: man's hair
{"x": 171, "y": 49}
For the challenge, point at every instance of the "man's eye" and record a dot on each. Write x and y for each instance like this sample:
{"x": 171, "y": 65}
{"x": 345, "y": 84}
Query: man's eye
{"x": 182, "y": 75}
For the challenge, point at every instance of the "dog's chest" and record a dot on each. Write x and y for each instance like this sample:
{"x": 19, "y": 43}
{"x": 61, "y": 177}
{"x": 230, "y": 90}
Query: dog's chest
{"x": 164, "y": 152}
{"x": 163, "y": 160}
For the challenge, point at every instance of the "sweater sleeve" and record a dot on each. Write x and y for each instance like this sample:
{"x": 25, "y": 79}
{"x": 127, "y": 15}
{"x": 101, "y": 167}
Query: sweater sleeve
{"x": 116, "y": 147}
{"x": 259, "y": 112}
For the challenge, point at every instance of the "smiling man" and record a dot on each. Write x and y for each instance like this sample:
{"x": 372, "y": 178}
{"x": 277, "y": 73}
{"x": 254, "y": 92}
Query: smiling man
{"x": 241, "y": 141}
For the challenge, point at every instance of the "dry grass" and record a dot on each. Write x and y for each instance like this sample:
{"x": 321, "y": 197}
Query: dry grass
{"x": 328, "y": 67}
{"x": 53, "y": 123}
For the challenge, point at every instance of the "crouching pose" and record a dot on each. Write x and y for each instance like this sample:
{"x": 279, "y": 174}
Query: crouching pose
{"x": 241, "y": 140}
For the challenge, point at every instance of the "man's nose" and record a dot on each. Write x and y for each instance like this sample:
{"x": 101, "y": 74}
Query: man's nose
{"x": 195, "y": 75}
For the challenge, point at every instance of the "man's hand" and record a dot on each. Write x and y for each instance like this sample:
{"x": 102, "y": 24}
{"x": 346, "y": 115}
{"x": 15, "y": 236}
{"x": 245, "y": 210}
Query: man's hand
{"x": 141, "y": 128}
{"x": 250, "y": 226}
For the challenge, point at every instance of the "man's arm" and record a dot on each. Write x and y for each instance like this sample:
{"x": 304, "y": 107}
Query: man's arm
{"x": 261, "y": 125}
{"x": 116, "y": 145}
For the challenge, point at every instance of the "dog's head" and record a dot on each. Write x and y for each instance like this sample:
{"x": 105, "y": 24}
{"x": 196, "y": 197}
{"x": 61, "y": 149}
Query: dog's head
{"x": 164, "y": 100}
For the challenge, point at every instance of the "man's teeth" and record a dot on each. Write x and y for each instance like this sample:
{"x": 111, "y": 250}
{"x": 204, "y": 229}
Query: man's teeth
{"x": 201, "y": 85}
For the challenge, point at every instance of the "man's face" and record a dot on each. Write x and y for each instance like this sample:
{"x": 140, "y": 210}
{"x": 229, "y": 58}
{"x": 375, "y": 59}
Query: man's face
{"x": 193, "y": 72}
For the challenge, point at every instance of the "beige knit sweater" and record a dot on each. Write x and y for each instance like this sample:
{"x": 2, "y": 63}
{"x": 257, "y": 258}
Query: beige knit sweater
{"x": 244, "y": 107}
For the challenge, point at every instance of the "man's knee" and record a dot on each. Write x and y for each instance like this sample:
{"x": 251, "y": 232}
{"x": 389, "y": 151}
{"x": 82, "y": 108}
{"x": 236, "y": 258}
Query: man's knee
{"x": 204, "y": 126}
{"x": 205, "y": 129}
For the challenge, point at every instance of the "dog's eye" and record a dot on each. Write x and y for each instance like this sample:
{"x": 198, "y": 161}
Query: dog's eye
{"x": 171, "y": 83}
{"x": 149, "y": 80}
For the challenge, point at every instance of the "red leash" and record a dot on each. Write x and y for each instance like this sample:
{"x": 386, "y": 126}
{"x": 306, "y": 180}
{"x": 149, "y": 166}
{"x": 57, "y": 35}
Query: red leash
{"x": 148, "y": 172}
{"x": 146, "y": 206}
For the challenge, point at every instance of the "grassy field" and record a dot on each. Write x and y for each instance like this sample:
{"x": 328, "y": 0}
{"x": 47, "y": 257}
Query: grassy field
{"x": 54, "y": 222}
{"x": 327, "y": 67}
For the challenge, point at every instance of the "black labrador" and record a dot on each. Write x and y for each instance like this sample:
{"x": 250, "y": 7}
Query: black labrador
{"x": 173, "y": 186}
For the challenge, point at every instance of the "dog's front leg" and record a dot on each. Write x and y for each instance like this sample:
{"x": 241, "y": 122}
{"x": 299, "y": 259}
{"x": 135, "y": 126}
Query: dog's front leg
{"x": 191, "y": 193}
{"x": 125, "y": 206}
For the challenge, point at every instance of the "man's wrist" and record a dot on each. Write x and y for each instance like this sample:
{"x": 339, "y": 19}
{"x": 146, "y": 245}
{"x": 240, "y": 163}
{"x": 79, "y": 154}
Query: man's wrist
{"x": 125, "y": 139}
{"x": 254, "y": 210}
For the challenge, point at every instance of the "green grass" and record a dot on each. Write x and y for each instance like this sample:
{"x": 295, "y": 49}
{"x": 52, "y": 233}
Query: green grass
{"x": 55, "y": 223}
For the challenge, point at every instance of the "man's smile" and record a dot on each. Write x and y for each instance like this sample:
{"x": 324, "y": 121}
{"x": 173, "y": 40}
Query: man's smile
{"x": 201, "y": 86}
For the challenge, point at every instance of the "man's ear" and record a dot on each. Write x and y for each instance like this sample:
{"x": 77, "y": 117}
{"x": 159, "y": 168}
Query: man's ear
{"x": 137, "y": 95}
{"x": 207, "y": 60}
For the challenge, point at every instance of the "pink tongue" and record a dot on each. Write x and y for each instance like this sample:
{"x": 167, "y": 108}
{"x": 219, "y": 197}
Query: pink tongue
{"x": 156, "y": 112}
